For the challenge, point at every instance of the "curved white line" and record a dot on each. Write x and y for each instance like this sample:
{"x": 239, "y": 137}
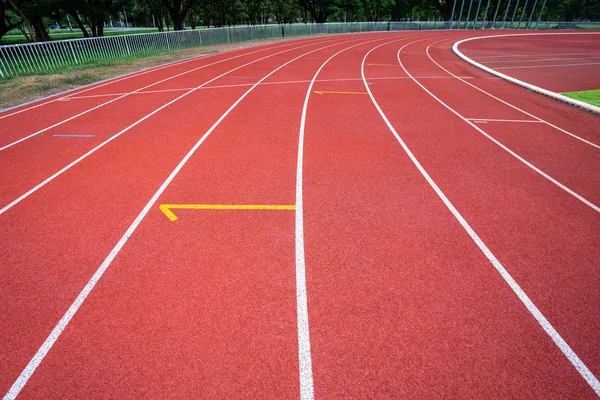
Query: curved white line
{"x": 509, "y": 104}
{"x": 505, "y": 148}
{"x": 304, "y": 353}
{"x": 70, "y": 313}
{"x": 138, "y": 90}
{"x": 92, "y": 151}
{"x": 527, "y": 302}
{"x": 529, "y": 86}
{"x": 75, "y": 91}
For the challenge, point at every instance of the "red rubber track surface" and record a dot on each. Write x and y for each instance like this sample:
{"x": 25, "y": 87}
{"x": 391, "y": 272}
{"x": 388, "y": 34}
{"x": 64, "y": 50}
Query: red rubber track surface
{"x": 567, "y": 63}
{"x": 401, "y": 301}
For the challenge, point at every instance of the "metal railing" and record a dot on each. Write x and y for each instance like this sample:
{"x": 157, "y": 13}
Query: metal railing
{"x": 44, "y": 57}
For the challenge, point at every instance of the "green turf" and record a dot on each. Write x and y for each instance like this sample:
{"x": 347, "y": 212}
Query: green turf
{"x": 587, "y": 96}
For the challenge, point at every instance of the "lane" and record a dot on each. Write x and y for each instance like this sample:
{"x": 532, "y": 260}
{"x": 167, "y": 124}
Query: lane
{"x": 76, "y": 220}
{"x": 56, "y": 112}
{"x": 401, "y": 302}
{"x": 231, "y": 270}
{"x": 560, "y": 115}
{"x": 567, "y": 158}
{"x": 119, "y": 131}
{"x": 543, "y": 236}
{"x": 581, "y": 72}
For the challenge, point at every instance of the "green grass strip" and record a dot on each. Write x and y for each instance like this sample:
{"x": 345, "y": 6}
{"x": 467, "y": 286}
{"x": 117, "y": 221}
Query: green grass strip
{"x": 587, "y": 96}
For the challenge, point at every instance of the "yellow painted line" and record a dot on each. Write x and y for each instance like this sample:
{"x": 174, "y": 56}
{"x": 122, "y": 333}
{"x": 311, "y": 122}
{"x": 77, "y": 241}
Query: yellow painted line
{"x": 166, "y": 208}
{"x": 330, "y": 92}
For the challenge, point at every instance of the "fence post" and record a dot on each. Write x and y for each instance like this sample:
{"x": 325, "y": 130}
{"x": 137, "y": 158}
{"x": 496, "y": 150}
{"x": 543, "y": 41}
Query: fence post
{"x": 540, "y": 17}
{"x": 168, "y": 44}
{"x": 531, "y": 15}
{"x": 200, "y": 36}
{"x": 127, "y": 45}
{"x": 227, "y": 30}
{"x": 2, "y": 67}
{"x": 73, "y": 52}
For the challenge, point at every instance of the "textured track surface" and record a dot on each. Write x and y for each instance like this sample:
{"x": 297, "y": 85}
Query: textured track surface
{"x": 430, "y": 214}
{"x": 560, "y": 63}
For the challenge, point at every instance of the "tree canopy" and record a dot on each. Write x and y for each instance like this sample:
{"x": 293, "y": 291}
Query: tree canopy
{"x": 35, "y": 17}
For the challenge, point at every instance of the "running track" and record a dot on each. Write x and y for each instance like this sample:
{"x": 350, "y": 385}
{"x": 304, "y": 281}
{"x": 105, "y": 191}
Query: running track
{"x": 436, "y": 234}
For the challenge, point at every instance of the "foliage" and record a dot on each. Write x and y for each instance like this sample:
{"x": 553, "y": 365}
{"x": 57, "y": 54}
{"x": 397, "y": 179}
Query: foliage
{"x": 34, "y": 17}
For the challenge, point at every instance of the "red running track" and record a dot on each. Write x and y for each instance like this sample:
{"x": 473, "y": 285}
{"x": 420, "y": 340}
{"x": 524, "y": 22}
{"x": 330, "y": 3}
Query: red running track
{"x": 563, "y": 63}
{"x": 443, "y": 242}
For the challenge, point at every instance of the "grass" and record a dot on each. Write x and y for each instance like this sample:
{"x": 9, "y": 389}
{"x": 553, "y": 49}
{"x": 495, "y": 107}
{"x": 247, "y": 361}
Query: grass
{"x": 21, "y": 89}
{"x": 19, "y": 38}
{"x": 587, "y": 96}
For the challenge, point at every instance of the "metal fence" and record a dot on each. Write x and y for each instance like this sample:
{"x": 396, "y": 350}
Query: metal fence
{"x": 43, "y": 57}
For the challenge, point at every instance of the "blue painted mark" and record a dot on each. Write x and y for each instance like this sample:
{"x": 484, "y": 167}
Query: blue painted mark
{"x": 73, "y": 135}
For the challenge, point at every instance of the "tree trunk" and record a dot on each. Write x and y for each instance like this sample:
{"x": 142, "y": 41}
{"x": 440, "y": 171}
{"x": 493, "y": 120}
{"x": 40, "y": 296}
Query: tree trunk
{"x": 80, "y": 25}
{"x": 26, "y": 20}
{"x": 177, "y": 21}
{"x": 100, "y": 27}
{"x": 41, "y": 33}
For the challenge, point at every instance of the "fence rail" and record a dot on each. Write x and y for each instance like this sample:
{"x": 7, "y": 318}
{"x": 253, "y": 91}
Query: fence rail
{"x": 43, "y": 57}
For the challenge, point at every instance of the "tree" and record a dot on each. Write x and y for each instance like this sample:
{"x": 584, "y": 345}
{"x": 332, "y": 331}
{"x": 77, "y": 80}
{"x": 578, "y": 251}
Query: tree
{"x": 32, "y": 12}
{"x": 8, "y": 19}
{"x": 178, "y": 10}
{"x": 320, "y": 10}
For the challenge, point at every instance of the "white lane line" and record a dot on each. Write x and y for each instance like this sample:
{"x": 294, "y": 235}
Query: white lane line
{"x": 505, "y": 120}
{"x": 509, "y": 151}
{"x": 134, "y": 74}
{"x": 532, "y": 55}
{"x": 539, "y": 59}
{"x": 130, "y": 93}
{"x": 263, "y": 84}
{"x": 509, "y": 104}
{"x": 547, "y": 66}
{"x": 96, "y": 85}
{"x": 66, "y": 318}
{"x": 534, "y": 88}
{"x": 527, "y": 302}
{"x": 304, "y": 354}
{"x": 92, "y": 151}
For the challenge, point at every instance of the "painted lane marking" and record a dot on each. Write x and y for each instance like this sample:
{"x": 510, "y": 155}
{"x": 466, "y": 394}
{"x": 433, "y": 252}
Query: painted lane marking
{"x": 72, "y": 310}
{"x": 455, "y": 49}
{"x": 527, "y": 302}
{"x": 321, "y": 92}
{"x": 533, "y": 55}
{"x": 304, "y": 353}
{"x": 130, "y": 93}
{"x": 484, "y": 120}
{"x": 92, "y": 151}
{"x": 547, "y": 66}
{"x": 166, "y": 208}
{"x": 497, "y": 142}
{"x": 545, "y": 92}
{"x": 73, "y": 135}
{"x": 110, "y": 81}
{"x": 96, "y": 85}
{"x": 539, "y": 59}
{"x": 266, "y": 83}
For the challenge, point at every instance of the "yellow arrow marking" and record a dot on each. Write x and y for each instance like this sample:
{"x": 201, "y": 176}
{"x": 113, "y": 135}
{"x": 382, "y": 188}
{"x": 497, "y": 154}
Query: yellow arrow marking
{"x": 166, "y": 208}
{"x": 330, "y": 92}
